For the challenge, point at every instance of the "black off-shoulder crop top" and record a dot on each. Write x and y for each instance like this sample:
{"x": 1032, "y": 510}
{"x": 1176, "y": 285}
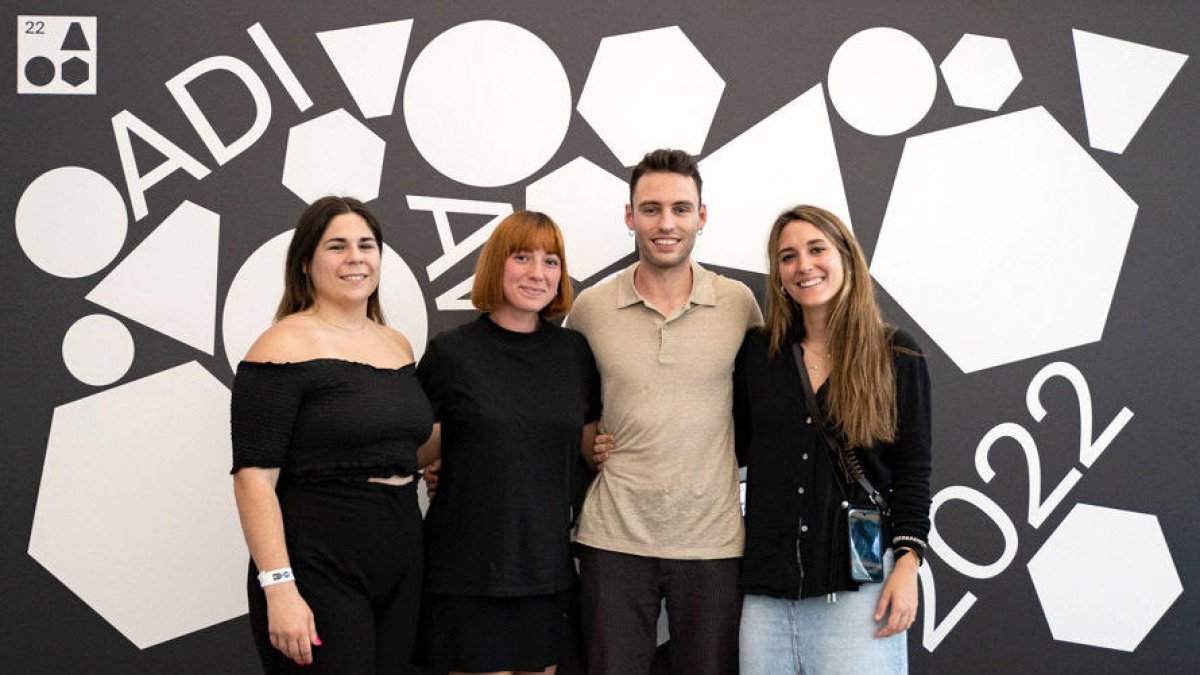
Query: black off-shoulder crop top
{"x": 328, "y": 419}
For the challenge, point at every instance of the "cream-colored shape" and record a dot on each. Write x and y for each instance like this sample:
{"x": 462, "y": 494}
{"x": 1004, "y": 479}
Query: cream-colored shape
{"x": 169, "y": 282}
{"x": 752, "y": 179}
{"x": 1122, "y": 82}
{"x": 135, "y": 513}
{"x": 97, "y": 349}
{"x": 981, "y": 72}
{"x": 370, "y": 60}
{"x": 333, "y": 154}
{"x": 257, "y": 287}
{"x": 650, "y": 89}
{"x": 882, "y": 81}
{"x": 71, "y": 222}
{"x": 487, "y": 103}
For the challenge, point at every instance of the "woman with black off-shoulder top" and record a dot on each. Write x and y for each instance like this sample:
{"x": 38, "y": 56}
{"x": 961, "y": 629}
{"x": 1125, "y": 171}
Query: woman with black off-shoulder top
{"x": 327, "y": 416}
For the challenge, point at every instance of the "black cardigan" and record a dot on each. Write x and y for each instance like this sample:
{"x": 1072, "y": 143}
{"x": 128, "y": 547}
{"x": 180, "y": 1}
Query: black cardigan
{"x": 796, "y": 542}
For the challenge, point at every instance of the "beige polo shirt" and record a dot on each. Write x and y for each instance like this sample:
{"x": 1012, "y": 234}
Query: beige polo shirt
{"x": 670, "y": 489}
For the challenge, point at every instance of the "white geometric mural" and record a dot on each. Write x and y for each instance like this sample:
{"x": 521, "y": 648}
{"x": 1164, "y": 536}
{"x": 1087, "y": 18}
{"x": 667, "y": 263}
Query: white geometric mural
{"x": 169, "y": 282}
{"x": 135, "y": 511}
{"x": 981, "y": 72}
{"x": 97, "y": 349}
{"x": 882, "y": 81}
{"x": 71, "y": 222}
{"x": 370, "y": 60}
{"x": 786, "y": 159}
{"x": 333, "y": 154}
{"x": 1122, "y": 81}
{"x": 1029, "y": 233}
{"x": 661, "y": 67}
{"x": 1105, "y": 577}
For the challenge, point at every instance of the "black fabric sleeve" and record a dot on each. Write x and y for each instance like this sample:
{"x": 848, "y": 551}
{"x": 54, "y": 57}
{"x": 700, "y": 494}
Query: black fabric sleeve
{"x": 432, "y": 376}
{"x": 266, "y": 399}
{"x": 910, "y": 457}
{"x": 595, "y": 405}
{"x": 741, "y": 402}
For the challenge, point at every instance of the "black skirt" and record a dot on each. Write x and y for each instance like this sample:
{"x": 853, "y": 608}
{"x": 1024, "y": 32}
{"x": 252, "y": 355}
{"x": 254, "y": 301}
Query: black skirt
{"x": 471, "y": 633}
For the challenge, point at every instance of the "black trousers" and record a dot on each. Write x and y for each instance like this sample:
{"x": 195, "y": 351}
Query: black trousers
{"x": 621, "y": 594}
{"x": 355, "y": 548}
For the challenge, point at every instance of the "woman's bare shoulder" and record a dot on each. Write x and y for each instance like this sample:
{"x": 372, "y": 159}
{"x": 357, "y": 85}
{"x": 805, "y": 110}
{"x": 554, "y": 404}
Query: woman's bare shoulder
{"x": 288, "y": 340}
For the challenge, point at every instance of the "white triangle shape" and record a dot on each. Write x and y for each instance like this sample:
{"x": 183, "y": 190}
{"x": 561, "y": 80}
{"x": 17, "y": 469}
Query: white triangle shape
{"x": 1121, "y": 83}
{"x": 786, "y": 159}
{"x": 370, "y": 60}
{"x": 169, "y": 282}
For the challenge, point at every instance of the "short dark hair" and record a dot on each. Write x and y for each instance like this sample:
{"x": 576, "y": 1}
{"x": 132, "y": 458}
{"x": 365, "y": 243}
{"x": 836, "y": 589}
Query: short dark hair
{"x": 665, "y": 160}
{"x": 520, "y": 231}
{"x": 298, "y": 291}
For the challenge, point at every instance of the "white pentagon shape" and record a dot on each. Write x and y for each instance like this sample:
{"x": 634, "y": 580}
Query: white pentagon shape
{"x": 333, "y": 154}
{"x": 661, "y": 66}
{"x": 1003, "y": 239}
{"x": 588, "y": 203}
{"x": 981, "y": 72}
{"x": 1105, "y": 577}
{"x": 135, "y": 513}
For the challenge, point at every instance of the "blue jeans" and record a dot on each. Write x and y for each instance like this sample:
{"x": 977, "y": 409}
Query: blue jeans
{"x": 816, "y": 637}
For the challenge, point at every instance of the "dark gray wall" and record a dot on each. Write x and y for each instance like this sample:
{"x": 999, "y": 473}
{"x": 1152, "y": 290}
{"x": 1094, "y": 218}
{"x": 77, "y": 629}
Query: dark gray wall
{"x": 768, "y": 53}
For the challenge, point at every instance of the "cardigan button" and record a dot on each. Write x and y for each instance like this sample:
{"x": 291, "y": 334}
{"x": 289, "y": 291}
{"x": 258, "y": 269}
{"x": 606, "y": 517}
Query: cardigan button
{"x": 800, "y": 490}
{"x": 804, "y": 528}
{"x": 808, "y": 420}
{"x": 804, "y": 456}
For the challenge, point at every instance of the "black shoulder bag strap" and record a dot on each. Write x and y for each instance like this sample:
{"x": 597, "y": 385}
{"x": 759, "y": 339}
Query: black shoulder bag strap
{"x": 843, "y": 457}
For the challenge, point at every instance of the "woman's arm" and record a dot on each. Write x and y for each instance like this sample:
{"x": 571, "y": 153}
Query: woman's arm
{"x": 431, "y": 450}
{"x": 290, "y": 622}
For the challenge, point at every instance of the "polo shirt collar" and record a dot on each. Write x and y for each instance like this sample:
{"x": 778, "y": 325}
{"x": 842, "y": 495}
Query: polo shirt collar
{"x": 703, "y": 290}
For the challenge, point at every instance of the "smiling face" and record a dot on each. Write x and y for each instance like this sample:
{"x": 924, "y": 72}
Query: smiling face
{"x": 810, "y": 266}
{"x": 665, "y": 217}
{"x": 531, "y": 280}
{"x": 345, "y": 265}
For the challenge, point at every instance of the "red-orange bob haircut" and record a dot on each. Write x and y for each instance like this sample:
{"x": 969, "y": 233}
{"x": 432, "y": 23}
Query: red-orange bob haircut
{"x": 520, "y": 231}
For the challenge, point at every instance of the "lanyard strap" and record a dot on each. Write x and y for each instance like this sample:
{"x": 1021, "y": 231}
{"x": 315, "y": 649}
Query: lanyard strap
{"x": 843, "y": 457}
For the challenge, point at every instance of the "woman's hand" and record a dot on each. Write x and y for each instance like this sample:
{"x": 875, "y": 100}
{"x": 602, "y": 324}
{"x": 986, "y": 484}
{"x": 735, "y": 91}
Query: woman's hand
{"x": 898, "y": 600}
{"x": 431, "y": 477}
{"x": 600, "y": 451}
{"x": 290, "y": 623}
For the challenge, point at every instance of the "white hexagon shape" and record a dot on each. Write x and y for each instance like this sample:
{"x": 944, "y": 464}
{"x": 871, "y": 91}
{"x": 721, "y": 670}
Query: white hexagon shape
{"x": 1003, "y": 239}
{"x": 333, "y": 154}
{"x": 135, "y": 513}
{"x": 981, "y": 72}
{"x": 677, "y": 90}
{"x": 1105, "y": 577}
{"x": 587, "y": 202}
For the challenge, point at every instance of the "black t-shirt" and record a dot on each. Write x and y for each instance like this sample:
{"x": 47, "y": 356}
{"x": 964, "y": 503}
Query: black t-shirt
{"x": 512, "y": 407}
{"x": 328, "y": 419}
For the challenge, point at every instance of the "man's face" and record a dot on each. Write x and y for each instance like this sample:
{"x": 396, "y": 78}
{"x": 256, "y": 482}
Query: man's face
{"x": 665, "y": 217}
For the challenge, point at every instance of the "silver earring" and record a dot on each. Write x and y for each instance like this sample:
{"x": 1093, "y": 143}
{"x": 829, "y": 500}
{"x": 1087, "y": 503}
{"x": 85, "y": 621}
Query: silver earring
{"x": 700, "y": 232}
{"x": 630, "y": 232}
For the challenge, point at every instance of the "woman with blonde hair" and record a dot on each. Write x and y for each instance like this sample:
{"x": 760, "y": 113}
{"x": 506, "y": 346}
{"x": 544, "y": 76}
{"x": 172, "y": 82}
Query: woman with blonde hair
{"x": 832, "y": 418}
{"x": 515, "y": 395}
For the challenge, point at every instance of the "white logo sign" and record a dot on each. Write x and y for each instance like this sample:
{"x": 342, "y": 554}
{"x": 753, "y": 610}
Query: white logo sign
{"x": 56, "y": 55}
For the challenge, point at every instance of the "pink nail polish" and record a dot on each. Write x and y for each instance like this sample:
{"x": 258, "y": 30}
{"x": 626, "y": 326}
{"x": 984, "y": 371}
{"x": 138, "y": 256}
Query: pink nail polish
{"x": 317, "y": 641}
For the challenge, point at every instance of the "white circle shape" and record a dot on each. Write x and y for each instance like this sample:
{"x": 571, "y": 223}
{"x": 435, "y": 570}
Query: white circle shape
{"x": 257, "y": 287}
{"x": 487, "y": 103}
{"x": 98, "y": 350}
{"x": 71, "y": 222}
{"x": 882, "y": 81}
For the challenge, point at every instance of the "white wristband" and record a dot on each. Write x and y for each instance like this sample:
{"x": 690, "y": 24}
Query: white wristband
{"x": 275, "y": 576}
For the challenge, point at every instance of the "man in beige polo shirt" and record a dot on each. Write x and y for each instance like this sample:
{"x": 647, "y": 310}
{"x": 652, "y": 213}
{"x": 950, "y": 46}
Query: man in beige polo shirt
{"x": 663, "y": 517}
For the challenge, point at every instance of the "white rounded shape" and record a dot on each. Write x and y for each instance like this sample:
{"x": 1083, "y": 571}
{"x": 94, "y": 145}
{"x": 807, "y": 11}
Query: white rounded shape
{"x": 254, "y": 295}
{"x": 71, "y": 222}
{"x": 98, "y": 350}
{"x": 882, "y": 81}
{"x": 487, "y": 103}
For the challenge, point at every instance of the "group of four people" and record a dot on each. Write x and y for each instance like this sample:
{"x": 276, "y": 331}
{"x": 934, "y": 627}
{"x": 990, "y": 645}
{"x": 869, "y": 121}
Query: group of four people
{"x": 663, "y": 381}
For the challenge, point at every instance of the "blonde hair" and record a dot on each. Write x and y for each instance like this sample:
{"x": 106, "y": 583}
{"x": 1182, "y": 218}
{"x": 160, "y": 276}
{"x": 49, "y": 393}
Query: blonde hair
{"x": 861, "y": 396}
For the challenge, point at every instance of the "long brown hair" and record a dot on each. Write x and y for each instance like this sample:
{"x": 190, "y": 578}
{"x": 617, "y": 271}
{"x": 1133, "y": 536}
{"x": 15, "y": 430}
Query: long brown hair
{"x": 861, "y": 399}
{"x": 298, "y": 291}
{"x": 520, "y": 231}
